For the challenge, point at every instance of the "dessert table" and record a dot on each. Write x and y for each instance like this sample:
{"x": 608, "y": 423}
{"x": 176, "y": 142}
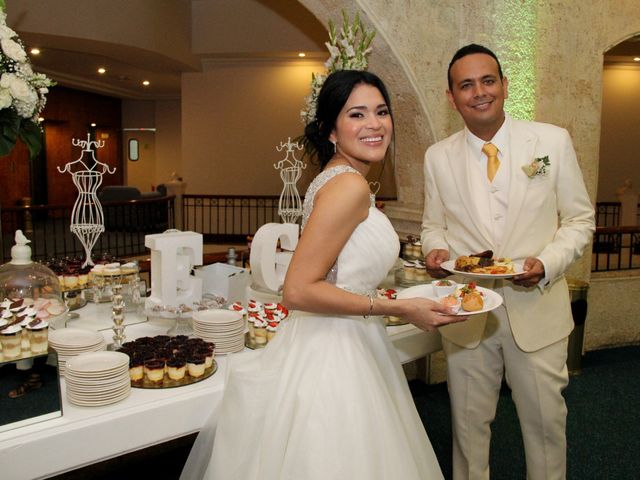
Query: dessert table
{"x": 86, "y": 435}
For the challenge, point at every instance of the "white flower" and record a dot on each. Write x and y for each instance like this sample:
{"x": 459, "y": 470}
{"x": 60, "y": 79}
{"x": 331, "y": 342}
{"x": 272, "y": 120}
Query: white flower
{"x": 348, "y": 50}
{"x": 13, "y": 50}
{"x": 5, "y": 98}
{"x": 6, "y": 32}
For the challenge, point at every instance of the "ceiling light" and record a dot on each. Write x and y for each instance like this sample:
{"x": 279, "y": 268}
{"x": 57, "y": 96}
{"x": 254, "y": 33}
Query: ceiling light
{"x": 145, "y": 83}
{"x": 636, "y": 59}
{"x": 102, "y": 70}
{"x": 93, "y": 125}
{"x": 302, "y": 54}
{"x": 35, "y": 51}
{"x": 40, "y": 119}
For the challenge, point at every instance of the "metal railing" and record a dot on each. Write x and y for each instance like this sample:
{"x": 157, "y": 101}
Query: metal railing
{"x": 616, "y": 248}
{"x": 228, "y": 218}
{"x": 47, "y": 226}
{"x": 607, "y": 214}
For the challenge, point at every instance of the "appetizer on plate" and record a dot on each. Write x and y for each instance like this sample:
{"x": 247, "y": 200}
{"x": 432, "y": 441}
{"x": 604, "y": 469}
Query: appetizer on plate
{"x": 467, "y": 296}
{"x": 485, "y": 263}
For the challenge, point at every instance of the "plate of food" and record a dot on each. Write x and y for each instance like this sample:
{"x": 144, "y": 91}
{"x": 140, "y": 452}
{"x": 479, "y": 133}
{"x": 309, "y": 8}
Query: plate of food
{"x": 467, "y": 299}
{"x": 483, "y": 265}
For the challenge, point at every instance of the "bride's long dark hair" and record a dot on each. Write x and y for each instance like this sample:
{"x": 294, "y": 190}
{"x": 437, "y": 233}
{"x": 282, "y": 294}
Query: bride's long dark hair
{"x": 333, "y": 95}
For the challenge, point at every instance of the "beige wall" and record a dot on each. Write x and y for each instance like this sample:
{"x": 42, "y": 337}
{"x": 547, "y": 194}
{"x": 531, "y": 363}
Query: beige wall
{"x": 233, "y": 117}
{"x": 160, "y": 150}
{"x": 168, "y": 140}
{"x": 619, "y": 150}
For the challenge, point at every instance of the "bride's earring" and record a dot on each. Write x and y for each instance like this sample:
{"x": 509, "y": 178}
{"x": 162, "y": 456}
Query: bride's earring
{"x": 334, "y": 145}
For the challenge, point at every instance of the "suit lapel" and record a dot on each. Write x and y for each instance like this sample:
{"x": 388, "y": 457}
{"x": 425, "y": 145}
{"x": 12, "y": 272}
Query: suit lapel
{"x": 522, "y": 144}
{"x": 461, "y": 174}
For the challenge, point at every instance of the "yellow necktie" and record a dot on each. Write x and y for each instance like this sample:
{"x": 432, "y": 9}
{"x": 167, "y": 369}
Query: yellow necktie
{"x": 491, "y": 151}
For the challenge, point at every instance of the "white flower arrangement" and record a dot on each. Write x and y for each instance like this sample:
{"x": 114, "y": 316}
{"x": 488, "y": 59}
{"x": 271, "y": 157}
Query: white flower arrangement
{"x": 22, "y": 93}
{"x": 537, "y": 168}
{"x": 349, "y": 49}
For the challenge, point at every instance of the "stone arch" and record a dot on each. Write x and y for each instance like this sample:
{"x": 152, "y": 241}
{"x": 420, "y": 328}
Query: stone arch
{"x": 414, "y": 128}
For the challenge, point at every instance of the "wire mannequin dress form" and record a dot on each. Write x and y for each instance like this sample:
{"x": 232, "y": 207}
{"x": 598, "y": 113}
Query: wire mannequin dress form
{"x": 87, "y": 219}
{"x": 290, "y": 205}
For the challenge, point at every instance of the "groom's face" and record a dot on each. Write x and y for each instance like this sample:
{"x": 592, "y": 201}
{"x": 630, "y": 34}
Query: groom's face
{"x": 478, "y": 93}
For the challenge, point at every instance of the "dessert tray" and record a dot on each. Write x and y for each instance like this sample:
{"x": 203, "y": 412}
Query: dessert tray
{"x": 166, "y": 362}
{"x": 170, "y": 383}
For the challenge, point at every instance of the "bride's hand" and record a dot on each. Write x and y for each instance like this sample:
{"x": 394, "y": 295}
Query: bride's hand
{"x": 427, "y": 314}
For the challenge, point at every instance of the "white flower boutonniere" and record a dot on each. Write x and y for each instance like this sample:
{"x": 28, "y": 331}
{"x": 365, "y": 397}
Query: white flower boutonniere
{"x": 537, "y": 168}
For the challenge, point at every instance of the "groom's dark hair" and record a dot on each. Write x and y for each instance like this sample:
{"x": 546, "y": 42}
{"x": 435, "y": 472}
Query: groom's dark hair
{"x": 470, "y": 50}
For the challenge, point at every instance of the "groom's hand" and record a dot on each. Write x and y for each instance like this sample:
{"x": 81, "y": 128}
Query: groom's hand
{"x": 534, "y": 272}
{"x": 433, "y": 260}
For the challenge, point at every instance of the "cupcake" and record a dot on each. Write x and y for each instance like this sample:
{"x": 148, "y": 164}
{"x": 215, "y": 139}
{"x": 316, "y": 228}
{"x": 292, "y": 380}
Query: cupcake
{"x": 136, "y": 369}
{"x": 208, "y": 355}
{"x": 154, "y": 370}
{"x": 260, "y": 327}
{"x": 176, "y": 368}
{"x": 11, "y": 338}
{"x": 38, "y": 335}
{"x": 409, "y": 271}
{"x": 420, "y": 271}
{"x": 195, "y": 365}
{"x": 272, "y": 328}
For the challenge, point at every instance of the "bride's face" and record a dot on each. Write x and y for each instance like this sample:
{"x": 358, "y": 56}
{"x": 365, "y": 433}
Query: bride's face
{"x": 364, "y": 127}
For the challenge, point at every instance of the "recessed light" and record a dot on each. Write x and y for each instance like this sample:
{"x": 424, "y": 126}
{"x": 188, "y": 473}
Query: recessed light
{"x": 302, "y": 54}
{"x": 146, "y": 83}
{"x": 102, "y": 70}
{"x": 93, "y": 125}
{"x": 35, "y": 51}
{"x": 636, "y": 59}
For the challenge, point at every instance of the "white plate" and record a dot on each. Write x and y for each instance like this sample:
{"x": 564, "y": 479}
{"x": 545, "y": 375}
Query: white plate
{"x": 491, "y": 299}
{"x": 219, "y": 317}
{"x": 97, "y": 362}
{"x": 75, "y": 337}
{"x": 450, "y": 266}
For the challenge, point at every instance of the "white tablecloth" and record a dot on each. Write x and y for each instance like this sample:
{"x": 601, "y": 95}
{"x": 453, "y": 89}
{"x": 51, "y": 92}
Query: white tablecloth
{"x": 86, "y": 435}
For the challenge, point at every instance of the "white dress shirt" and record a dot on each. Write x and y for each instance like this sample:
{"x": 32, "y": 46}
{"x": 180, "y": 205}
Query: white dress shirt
{"x": 492, "y": 198}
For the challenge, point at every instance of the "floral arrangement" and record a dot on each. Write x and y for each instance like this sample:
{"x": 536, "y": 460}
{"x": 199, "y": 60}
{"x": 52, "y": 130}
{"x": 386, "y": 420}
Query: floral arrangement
{"x": 22, "y": 93}
{"x": 537, "y": 168}
{"x": 349, "y": 50}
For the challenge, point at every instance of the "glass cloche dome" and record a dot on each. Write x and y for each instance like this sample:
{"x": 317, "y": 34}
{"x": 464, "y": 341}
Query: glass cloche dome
{"x": 27, "y": 287}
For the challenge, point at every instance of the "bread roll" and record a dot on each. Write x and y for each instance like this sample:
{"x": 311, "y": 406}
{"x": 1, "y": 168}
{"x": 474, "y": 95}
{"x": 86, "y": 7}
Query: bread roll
{"x": 472, "y": 302}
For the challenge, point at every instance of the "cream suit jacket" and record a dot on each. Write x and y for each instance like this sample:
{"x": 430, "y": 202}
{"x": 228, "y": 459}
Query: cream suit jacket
{"x": 550, "y": 217}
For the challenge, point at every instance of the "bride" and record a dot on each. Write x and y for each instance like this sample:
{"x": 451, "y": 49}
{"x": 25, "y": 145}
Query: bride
{"x": 327, "y": 398}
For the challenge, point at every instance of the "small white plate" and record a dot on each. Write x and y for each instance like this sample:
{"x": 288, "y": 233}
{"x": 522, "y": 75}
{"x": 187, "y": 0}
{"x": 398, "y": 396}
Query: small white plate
{"x": 491, "y": 299}
{"x": 450, "y": 266}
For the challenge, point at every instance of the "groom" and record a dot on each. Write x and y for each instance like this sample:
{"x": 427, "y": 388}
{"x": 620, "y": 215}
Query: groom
{"x": 513, "y": 187}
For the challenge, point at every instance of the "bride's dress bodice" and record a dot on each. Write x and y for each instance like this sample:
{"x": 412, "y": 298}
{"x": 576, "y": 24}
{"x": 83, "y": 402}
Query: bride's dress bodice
{"x": 371, "y": 250}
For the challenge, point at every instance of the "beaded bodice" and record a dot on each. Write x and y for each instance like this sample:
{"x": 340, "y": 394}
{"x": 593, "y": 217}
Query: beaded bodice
{"x": 371, "y": 250}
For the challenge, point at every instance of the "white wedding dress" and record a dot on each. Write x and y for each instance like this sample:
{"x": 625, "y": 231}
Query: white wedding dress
{"x": 327, "y": 398}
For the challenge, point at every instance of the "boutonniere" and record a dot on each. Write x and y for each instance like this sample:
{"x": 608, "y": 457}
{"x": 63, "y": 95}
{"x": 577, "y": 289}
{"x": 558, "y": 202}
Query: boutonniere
{"x": 537, "y": 167}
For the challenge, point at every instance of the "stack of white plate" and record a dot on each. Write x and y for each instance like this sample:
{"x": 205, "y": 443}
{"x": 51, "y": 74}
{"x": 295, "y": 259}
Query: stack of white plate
{"x": 98, "y": 378}
{"x": 69, "y": 342}
{"x": 225, "y": 328}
